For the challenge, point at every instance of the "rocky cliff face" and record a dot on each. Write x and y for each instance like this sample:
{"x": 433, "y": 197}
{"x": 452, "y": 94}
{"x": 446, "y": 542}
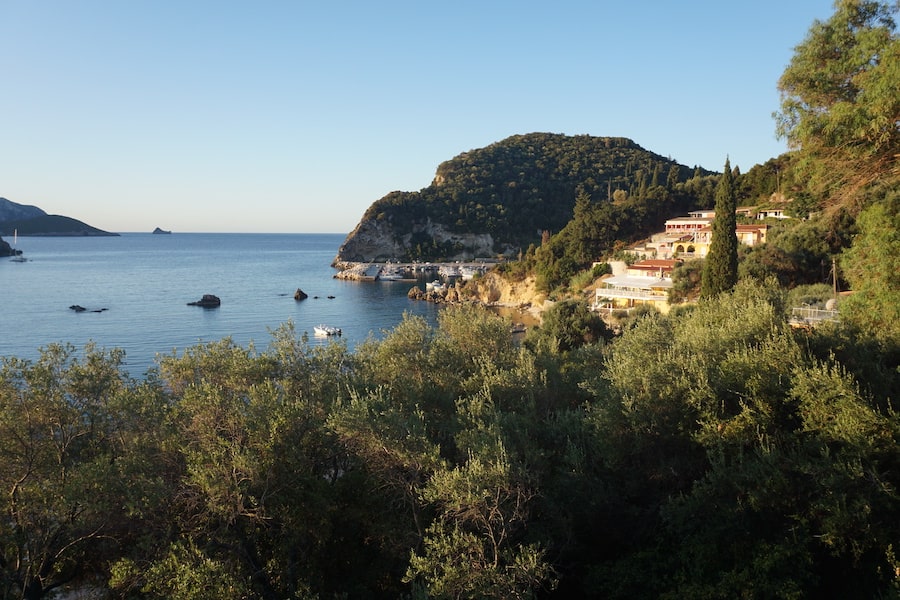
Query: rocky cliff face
{"x": 370, "y": 241}
{"x": 5, "y": 248}
{"x": 495, "y": 289}
{"x": 376, "y": 240}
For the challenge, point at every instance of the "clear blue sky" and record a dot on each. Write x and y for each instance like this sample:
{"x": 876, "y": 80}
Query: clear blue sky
{"x": 295, "y": 116}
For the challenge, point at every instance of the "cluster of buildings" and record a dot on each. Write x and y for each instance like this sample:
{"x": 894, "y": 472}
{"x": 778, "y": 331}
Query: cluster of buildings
{"x": 649, "y": 280}
{"x": 690, "y": 237}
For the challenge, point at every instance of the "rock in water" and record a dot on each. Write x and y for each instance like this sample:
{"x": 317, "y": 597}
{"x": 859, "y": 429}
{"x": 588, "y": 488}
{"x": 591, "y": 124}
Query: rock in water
{"x": 207, "y": 301}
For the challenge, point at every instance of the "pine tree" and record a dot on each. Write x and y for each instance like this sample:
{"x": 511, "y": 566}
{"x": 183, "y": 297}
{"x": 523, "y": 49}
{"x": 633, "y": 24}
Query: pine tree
{"x": 839, "y": 101}
{"x": 720, "y": 267}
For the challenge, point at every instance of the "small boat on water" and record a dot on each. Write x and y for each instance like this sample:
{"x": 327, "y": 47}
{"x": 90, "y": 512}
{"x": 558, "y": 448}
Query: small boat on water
{"x": 326, "y": 330}
{"x": 16, "y": 253}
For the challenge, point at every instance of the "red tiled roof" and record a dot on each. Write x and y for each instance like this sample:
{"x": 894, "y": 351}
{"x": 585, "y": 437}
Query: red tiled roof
{"x": 656, "y": 263}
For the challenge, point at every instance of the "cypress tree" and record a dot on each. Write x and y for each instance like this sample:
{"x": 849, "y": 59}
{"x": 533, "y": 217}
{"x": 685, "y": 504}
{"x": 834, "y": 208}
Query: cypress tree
{"x": 720, "y": 266}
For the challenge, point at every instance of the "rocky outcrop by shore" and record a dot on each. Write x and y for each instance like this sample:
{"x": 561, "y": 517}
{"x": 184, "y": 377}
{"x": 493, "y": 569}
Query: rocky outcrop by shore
{"x": 491, "y": 290}
{"x": 495, "y": 289}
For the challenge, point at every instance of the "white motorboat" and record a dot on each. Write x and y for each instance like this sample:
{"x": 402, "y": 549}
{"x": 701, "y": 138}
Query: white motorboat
{"x": 326, "y": 330}
{"x": 435, "y": 286}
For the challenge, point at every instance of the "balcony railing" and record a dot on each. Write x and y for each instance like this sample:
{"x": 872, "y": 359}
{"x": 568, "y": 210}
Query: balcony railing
{"x": 809, "y": 315}
{"x": 631, "y": 294}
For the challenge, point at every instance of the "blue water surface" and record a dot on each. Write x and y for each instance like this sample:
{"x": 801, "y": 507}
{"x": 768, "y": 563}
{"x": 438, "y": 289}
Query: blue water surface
{"x": 144, "y": 282}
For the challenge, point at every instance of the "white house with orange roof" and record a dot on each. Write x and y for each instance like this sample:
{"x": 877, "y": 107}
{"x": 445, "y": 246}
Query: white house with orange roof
{"x": 644, "y": 282}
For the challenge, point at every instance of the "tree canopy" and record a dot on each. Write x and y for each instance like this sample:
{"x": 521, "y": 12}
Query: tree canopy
{"x": 715, "y": 452}
{"x": 839, "y": 101}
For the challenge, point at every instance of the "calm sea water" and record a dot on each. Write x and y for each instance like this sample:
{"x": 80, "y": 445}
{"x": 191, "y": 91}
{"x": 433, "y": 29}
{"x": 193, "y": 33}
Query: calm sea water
{"x": 145, "y": 282}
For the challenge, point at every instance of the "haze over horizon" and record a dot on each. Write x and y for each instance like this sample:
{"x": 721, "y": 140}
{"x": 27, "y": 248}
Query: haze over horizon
{"x": 295, "y": 117}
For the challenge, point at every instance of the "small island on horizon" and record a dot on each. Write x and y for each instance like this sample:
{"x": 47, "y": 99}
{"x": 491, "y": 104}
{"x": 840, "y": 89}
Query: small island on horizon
{"x": 161, "y": 231}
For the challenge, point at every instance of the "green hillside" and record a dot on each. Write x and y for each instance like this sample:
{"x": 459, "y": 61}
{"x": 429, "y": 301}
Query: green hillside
{"x": 519, "y": 187}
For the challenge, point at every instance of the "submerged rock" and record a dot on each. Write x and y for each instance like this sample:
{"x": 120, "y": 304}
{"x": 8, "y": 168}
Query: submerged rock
{"x": 78, "y": 308}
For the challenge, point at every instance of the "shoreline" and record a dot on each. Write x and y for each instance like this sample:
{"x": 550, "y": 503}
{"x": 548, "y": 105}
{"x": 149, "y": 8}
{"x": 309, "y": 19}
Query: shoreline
{"x": 451, "y": 290}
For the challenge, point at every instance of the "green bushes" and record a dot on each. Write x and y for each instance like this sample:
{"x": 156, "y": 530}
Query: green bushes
{"x": 691, "y": 456}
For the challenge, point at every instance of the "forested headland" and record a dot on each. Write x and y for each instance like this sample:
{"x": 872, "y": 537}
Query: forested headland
{"x": 516, "y": 188}
{"x": 711, "y": 452}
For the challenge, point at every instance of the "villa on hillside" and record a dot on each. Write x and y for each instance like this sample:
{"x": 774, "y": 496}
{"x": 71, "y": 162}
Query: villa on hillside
{"x": 752, "y": 235}
{"x": 771, "y": 213}
{"x": 695, "y": 221}
{"x": 645, "y": 282}
{"x": 690, "y": 237}
{"x": 774, "y": 208}
{"x": 648, "y": 281}
{"x": 698, "y": 245}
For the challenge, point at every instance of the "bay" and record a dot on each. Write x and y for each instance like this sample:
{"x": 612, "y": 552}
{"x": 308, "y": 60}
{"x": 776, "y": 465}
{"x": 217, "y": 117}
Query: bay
{"x": 141, "y": 285}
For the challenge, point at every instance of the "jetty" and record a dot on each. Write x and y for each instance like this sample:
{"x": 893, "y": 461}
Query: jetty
{"x": 359, "y": 272}
{"x": 372, "y": 271}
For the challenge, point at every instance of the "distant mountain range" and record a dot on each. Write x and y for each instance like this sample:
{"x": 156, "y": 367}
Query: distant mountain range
{"x": 32, "y": 221}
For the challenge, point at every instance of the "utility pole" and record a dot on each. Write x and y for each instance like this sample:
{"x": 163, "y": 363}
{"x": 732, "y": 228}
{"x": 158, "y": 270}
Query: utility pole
{"x": 834, "y": 277}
